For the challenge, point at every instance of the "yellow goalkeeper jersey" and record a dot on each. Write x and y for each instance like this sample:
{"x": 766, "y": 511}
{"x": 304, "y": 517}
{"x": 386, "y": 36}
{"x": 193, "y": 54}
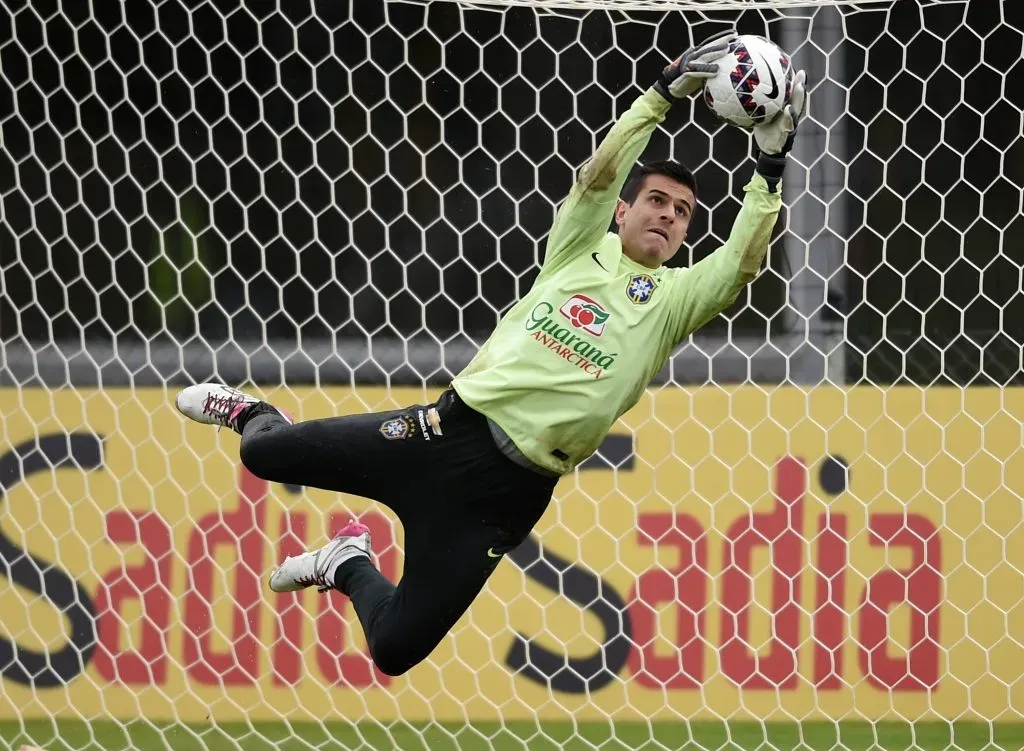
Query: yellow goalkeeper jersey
{"x": 578, "y": 350}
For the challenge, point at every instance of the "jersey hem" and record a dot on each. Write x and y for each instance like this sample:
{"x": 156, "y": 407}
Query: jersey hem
{"x": 560, "y": 471}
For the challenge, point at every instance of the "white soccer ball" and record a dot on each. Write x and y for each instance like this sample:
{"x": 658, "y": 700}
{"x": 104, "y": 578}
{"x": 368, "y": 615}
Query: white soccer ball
{"x": 753, "y": 83}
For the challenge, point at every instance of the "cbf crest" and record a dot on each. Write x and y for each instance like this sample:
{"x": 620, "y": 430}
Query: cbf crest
{"x": 397, "y": 428}
{"x": 640, "y": 288}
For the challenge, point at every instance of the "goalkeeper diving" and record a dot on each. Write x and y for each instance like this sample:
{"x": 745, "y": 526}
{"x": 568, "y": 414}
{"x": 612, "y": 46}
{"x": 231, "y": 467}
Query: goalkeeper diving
{"x": 470, "y": 475}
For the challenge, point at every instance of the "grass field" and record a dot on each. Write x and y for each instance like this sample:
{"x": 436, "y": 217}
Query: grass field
{"x": 852, "y": 736}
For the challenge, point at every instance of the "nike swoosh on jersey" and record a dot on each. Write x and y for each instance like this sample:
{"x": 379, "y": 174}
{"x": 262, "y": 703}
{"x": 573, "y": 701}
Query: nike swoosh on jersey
{"x": 775, "y": 84}
{"x": 597, "y": 260}
{"x": 492, "y": 554}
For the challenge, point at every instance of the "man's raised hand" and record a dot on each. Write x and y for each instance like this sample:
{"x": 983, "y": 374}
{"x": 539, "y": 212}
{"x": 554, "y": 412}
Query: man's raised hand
{"x": 775, "y": 139}
{"x": 686, "y": 74}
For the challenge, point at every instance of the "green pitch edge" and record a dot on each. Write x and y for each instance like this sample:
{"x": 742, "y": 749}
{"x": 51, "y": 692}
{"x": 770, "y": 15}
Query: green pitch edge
{"x": 536, "y": 736}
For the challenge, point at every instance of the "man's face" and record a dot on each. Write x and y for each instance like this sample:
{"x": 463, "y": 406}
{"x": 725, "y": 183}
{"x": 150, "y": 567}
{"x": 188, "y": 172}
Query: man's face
{"x": 654, "y": 226}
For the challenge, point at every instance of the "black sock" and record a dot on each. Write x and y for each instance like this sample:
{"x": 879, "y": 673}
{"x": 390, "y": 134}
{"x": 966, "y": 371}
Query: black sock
{"x": 255, "y": 410}
{"x": 355, "y": 573}
{"x": 370, "y": 592}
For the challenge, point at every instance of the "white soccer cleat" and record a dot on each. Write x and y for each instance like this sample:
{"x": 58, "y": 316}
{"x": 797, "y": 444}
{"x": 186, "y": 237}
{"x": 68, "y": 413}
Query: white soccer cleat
{"x": 214, "y": 404}
{"x": 318, "y": 567}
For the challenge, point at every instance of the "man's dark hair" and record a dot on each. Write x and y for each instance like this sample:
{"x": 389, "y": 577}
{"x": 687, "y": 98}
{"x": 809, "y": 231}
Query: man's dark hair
{"x": 668, "y": 168}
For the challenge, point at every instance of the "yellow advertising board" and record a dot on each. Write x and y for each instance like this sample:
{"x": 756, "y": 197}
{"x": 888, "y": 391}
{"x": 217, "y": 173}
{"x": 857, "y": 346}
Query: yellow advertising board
{"x": 756, "y": 552}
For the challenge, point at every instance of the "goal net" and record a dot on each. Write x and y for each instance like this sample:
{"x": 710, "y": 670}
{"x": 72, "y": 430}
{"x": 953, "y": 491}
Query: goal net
{"x": 809, "y": 531}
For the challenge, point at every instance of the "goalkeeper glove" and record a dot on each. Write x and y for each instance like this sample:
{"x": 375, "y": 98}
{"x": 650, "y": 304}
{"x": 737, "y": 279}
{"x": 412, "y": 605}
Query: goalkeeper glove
{"x": 685, "y": 76}
{"x": 774, "y": 139}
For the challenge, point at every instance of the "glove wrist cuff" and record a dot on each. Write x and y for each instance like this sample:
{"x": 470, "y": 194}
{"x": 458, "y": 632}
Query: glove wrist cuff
{"x": 771, "y": 167}
{"x": 662, "y": 89}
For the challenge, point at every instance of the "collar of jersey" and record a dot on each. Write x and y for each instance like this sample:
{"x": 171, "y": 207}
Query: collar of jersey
{"x": 639, "y": 267}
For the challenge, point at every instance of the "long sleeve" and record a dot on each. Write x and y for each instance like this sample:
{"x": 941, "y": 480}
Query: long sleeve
{"x": 584, "y": 217}
{"x": 710, "y": 286}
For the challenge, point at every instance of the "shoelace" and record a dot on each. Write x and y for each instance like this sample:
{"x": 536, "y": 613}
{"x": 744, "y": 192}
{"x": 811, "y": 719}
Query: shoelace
{"x": 221, "y": 407}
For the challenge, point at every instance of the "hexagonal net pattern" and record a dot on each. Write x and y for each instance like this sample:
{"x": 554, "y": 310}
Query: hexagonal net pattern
{"x": 809, "y": 530}
{"x": 663, "y": 5}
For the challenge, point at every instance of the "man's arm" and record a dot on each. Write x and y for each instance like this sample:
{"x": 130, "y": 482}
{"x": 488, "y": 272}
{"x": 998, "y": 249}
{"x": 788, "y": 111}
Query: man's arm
{"x": 713, "y": 284}
{"x": 585, "y": 215}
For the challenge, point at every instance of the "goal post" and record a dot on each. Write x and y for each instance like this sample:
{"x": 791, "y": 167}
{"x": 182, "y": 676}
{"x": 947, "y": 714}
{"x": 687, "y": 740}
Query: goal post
{"x": 811, "y": 518}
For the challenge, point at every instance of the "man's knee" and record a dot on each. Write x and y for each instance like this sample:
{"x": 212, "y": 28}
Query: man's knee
{"x": 253, "y": 454}
{"x": 393, "y": 658}
{"x": 263, "y": 456}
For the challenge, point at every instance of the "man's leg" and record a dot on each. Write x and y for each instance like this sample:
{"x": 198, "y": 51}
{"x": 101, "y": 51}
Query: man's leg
{"x": 344, "y": 454}
{"x": 447, "y": 564}
{"x": 462, "y": 503}
{"x": 355, "y": 454}
{"x": 473, "y": 506}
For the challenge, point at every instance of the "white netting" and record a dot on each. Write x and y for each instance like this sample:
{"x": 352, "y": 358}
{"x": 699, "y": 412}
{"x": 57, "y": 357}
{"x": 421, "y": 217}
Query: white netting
{"x": 664, "y": 5}
{"x": 812, "y": 518}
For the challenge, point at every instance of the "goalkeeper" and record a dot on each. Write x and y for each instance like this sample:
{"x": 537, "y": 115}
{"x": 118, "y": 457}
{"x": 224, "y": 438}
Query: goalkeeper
{"x": 471, "y": 474}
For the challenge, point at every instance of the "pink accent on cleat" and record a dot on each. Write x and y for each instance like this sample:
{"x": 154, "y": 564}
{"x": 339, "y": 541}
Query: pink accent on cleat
{"x": 352, "y": 529}
{"x": 239, "y": 409}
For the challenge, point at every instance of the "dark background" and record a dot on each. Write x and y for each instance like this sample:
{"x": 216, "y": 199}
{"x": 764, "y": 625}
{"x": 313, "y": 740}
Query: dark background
{"x": 188, "y": 172}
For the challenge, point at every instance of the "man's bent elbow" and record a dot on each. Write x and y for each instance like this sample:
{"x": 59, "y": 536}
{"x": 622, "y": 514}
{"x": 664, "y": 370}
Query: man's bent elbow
{"x": 596, "y": 176}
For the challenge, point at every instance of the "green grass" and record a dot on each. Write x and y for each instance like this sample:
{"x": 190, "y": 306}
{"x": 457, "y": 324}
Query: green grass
{"x": 544, "y": 736}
